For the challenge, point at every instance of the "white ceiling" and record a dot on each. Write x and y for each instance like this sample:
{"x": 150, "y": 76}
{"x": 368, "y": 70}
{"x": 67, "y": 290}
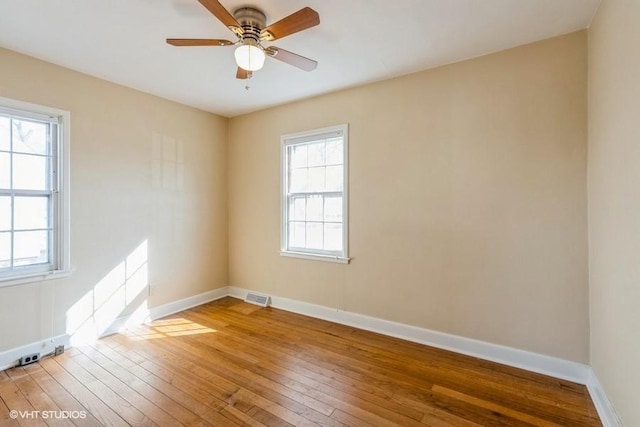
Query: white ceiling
{"x": 357, "y": 42}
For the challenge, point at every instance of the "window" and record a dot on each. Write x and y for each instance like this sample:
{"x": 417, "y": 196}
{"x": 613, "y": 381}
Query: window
{"x": 314, "y": 194}
{"x": 34, "y": 226}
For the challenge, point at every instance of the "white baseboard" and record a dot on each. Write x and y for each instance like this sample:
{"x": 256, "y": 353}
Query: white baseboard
{"x": 10, "y": 358}
{"x": 166, "y": 309}
{"x": 189, "y": 302}
{"x": 534, "y": 362}
{"x": 547, "y": 365}
{"x": 602, "y": 403}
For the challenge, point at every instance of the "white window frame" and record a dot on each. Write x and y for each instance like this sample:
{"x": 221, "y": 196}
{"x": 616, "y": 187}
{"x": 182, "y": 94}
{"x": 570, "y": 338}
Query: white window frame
{"x": 298, "y": 138}
{"x": 60, "y": 250}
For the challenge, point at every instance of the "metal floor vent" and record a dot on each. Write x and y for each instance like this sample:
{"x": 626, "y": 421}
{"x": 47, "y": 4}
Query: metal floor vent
{"x": 257, "y": 299}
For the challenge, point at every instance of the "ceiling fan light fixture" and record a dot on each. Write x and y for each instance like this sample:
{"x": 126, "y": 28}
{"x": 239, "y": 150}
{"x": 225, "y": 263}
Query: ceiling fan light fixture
{"x": 250, "y": 26}
{"x": 249, "y": 57}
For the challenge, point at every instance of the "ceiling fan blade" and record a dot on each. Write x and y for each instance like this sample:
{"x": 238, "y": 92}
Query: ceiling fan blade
{"x": 243, "y": 74}
{"x": 223, "y": 15}
{"x": 298, "y": 21}
{"x": 198, "y": 42}
{"x": 291, "y": 58}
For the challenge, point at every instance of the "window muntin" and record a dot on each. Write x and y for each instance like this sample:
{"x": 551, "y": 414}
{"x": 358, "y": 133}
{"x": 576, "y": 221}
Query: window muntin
{"x": 33, "y": 209}
{"x": 314, "y": 193}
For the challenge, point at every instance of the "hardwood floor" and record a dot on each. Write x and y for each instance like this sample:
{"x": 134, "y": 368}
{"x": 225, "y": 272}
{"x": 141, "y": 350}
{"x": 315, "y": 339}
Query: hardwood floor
{"x": 228, "y": 363}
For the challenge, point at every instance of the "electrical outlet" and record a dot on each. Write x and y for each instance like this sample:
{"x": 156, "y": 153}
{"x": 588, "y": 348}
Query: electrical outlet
{"x": 59, "y": 350}
{"x": 29, "y": 358}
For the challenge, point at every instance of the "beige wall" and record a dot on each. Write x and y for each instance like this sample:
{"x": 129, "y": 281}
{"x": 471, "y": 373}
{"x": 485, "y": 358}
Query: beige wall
{"x": 124, "y": 192}
{"x": 614, "y": 203}
{"x": 467, "y": 199}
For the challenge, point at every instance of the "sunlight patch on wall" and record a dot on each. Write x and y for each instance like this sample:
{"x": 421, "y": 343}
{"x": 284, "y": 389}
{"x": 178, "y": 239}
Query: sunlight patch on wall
{"x": 94, "y": 314}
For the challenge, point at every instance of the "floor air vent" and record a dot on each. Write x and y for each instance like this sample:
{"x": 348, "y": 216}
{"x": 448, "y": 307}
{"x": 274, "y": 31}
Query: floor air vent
{"x": 257, "y": 299}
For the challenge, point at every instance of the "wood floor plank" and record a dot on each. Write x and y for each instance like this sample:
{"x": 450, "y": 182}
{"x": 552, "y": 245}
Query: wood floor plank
{"x": 94, "y": 405}
{"x": 62, "y": 398}
{"x": 14, "y": 400}
{"x": 328, "y": 377}
{"x": 37, "y": 397}
{"x": 586, "y": 411}
{"x": 418, "y": 352}
{"x": 228, "y": 363}
{"x": 439, "y": 418}
{"x": 299, "y": 403}
{"x": 333, "y": 383}
{"x": 5, "y": 418}
{"x": 119, "y": 404}
{"x": 349, "y": 420}
{"x": 4, "y": 377}
{"x": 204, "y": 400}
{"x": 189, "y": 410}
{"x": 518, "y": 396}
{"x": 130, "y": 394}
{"x": 376, "y": 420}
{"x": 300, "y": 382}
{"x": 242, "y": 388}
{"x": 316, "y": 357}
{"x": 470, "y": 366}
{"x": 462, "y": 381}
{"x": 174, "y": 370}
{"x": 267, "y": 418}
{"x": 166, "y": 410}
{"x": 240, "y": 417}
{"x": 493, "y": 407}
{"x": 271, "y": 327}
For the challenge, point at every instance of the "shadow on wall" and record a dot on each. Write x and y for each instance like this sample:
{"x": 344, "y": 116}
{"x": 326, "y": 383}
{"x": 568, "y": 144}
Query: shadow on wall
{"x": 126, "y": 286}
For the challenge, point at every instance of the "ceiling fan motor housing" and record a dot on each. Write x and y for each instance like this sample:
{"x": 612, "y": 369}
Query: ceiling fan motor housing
{"x": 252, "y": 22}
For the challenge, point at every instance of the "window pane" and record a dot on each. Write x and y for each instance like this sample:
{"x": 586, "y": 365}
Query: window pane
{"x": 314, "y": 235}
{"x": 297, "y": 234}
{"x": 297, "y": 209}
{"x": 316, "y": 179}
{"x": 5, "y": 213}
{"x": 29, "y": 172}
{"x": 334, "y": 178}
{"x": 31, "y": 212}
{"x": 30, "y": 137}
{"x": 5, "y": 133}
{"x": 298, "y": 154}
{"x": 314, "y": 208}
{"x": 334, "y": 151}
{"x": 298, "y": 180}
{"x": 5, "y": 170}
{"x": 333, "y": 237}
{"x": 316, "y": 154}
{"x": 314, "y": 169}
{"x": 5, "y": 250}
{"x": 333, "y": 209}
{"x": 30, "y": 247}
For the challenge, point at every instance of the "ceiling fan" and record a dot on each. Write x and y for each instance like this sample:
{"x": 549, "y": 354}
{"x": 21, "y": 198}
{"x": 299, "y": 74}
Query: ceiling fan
{"x": 249, "y": 26}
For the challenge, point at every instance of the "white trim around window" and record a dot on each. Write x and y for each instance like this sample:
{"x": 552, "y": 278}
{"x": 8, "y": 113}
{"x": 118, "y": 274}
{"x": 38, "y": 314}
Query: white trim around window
{"x": 314, "y": 195}
{"x": 54, "y": 261}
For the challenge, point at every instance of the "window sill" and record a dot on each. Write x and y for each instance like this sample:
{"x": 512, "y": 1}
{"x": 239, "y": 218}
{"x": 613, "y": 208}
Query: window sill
{"x": 33, "y": 277}
{"x": 316, "y": 257}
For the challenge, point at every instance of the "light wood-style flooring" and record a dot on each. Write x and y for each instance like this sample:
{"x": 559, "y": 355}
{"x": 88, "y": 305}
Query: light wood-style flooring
{"x": 229, "y": 363}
